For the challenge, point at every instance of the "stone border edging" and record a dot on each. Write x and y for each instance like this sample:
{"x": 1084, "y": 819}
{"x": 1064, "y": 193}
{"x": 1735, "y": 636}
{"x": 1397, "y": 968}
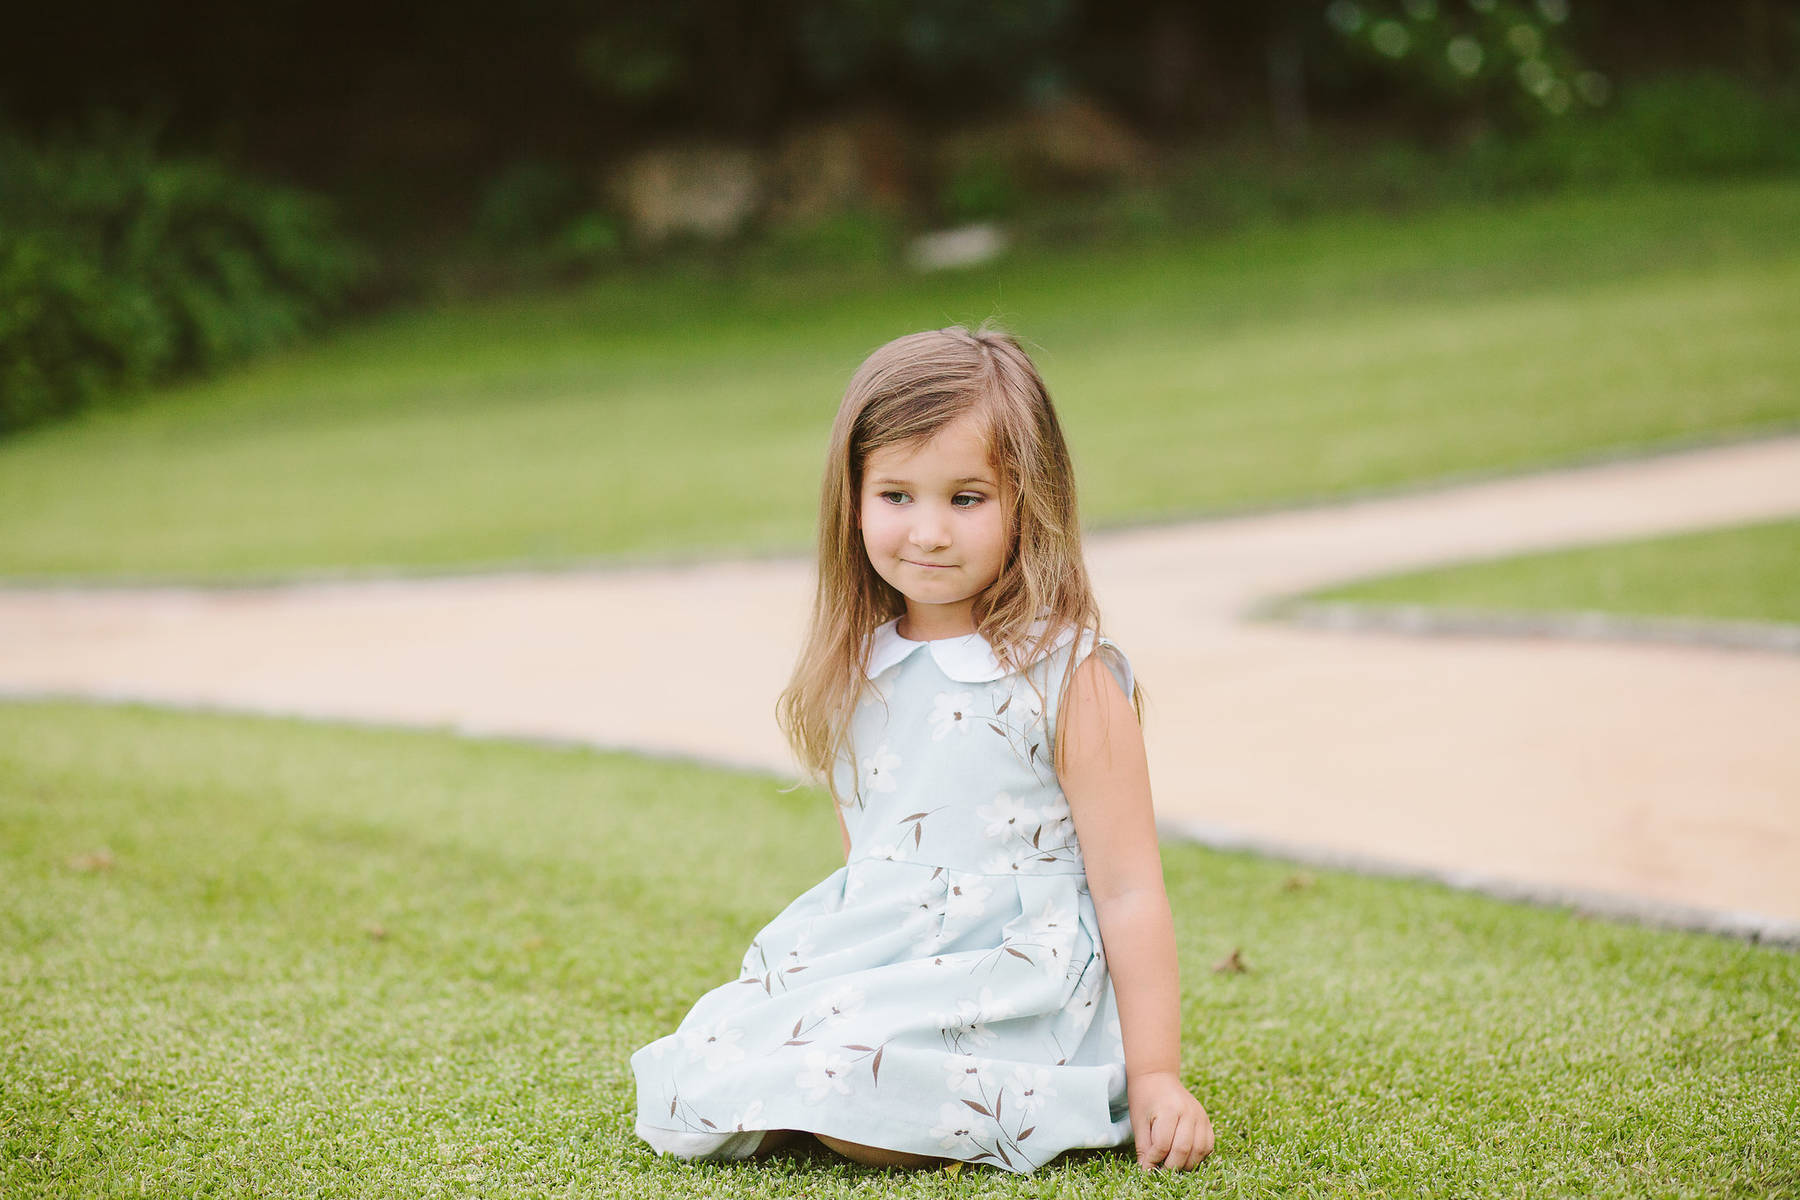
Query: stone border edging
{"x": 1436, "y": 620}
{"x": 1752, "y": 927}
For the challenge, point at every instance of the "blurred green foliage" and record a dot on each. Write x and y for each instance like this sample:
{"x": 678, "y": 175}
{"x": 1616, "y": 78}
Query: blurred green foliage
{"x": 1675, "y": 127}
{"x": 996, "y": 49}
{"x": 980, "y": 191}
{"x": 1489, "y": 57}
{"x": 541, "y": 216}
{"x": 856, "y": 240}
{"x": 1672, "y": 127}
{"x": 120, "y": 267}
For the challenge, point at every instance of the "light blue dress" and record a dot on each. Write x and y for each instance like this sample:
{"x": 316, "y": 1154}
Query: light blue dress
{"x": 944, "y": 992}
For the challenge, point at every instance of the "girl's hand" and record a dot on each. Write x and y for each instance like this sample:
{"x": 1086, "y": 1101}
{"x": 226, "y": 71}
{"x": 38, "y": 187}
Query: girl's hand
{"x": 1168, "y": 1124}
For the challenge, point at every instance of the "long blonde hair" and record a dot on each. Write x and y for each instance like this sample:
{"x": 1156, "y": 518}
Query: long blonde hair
{"x": 904, "y": 393}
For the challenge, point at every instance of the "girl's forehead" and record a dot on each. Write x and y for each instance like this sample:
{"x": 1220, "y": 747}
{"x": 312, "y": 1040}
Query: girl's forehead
{"x": 960, "y": 449}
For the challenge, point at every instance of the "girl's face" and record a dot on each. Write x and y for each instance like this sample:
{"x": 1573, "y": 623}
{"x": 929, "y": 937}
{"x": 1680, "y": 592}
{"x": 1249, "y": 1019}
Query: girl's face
{"x": 933, "y": 519}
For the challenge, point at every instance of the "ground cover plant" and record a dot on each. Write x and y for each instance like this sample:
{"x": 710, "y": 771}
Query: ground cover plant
{"x": 248, "y": 956}
{"x": 1746, "y": 573}
{"x": 685, "y": 413}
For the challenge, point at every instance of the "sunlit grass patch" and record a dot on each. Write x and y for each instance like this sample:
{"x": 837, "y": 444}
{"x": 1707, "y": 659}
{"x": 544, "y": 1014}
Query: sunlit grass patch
{"x": 246, "y": 956}
{"x": 687, "y": 414}
{"x": 1745, "y": 573}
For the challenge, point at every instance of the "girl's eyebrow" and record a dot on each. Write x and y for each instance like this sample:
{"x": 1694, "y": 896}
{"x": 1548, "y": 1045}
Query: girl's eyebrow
{"x": 881, "y": 479}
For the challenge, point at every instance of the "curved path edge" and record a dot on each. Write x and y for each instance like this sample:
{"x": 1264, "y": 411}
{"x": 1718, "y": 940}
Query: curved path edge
{"x": 1665, "y": 773}
{"x": 1429, "y": 620}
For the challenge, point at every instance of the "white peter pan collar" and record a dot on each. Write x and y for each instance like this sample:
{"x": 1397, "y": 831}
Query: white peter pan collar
{"x": 966, "y": 659}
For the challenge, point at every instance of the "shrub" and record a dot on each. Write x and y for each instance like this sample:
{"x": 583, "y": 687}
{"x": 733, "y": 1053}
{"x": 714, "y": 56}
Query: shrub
{"x": 981, "y": 190}
{"x": 1666, "y": 128}
{"x": 119, "y": 267}
{"x": 853, "y": 240}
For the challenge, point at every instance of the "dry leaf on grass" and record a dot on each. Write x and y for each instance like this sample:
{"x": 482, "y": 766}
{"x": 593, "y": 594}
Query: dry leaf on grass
{"x": 1232, "y": 963}
{"x": 93, "y": 860}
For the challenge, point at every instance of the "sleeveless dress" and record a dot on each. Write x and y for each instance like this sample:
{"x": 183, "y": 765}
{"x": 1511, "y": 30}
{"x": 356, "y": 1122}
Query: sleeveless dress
{"x": 945, "y": 991}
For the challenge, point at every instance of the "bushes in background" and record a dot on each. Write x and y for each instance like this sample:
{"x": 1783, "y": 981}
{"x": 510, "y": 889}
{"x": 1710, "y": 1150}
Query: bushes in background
{"x": 1668, "y": 128}
{"x": 120, "y": 267}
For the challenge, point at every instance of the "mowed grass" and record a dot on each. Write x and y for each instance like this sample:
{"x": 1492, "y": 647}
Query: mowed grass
{"x": 254, "y": 957}
{"x": 1747, "y": 573}
{"x": 686, "y": 413}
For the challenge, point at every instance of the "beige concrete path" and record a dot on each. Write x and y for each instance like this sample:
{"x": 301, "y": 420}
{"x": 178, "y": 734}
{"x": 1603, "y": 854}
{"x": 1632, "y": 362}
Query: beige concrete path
{"x": 1666, "y": 775}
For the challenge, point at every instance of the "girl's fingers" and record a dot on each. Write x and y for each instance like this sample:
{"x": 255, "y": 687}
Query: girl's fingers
{"x": 1181, "y": 1146}
{"x": 1203, "y": 1145}
{"x": 1155, "y": 1145}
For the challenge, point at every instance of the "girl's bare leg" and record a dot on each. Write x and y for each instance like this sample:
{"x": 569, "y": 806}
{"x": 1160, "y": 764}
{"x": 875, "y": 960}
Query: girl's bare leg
{"x": 875, "y": 1156}
{"x": 775, "y": 1139}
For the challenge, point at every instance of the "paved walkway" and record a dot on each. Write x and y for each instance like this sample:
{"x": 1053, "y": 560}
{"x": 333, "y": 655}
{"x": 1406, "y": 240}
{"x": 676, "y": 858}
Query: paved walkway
{"x": 1666, "y": 775}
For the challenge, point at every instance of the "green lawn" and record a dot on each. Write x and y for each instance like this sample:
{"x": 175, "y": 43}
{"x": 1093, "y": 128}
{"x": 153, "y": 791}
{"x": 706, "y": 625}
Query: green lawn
{"x": 1749, "y": 573}
{"x": 687, "y": 413}
{"x": 256, "y": 957}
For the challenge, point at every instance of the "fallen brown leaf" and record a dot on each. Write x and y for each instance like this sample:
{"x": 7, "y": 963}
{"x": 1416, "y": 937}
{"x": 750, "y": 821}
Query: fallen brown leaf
{"x": 1299, "y": 881}
{"x": 1232, "y": 963}
{"x": 93, "y": 860}
{"x": 377, "y": 931}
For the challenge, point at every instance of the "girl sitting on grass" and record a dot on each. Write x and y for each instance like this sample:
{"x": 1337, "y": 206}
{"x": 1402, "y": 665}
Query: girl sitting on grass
{"x": 991, "y": 975}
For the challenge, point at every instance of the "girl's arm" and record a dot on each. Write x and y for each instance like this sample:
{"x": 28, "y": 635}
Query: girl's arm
{"x": 1106, "y": 780}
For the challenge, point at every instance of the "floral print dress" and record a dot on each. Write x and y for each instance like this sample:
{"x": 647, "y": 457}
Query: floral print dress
{"x": 944, "y": 992}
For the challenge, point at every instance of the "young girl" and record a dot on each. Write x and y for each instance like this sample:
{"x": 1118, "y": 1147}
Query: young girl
{"x": 991, "y": 975}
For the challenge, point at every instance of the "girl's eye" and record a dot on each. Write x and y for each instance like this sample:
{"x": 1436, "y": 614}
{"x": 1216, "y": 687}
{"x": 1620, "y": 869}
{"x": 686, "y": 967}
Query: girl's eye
{"x": 973, "y": 499}
{"x": 893, "y": 497}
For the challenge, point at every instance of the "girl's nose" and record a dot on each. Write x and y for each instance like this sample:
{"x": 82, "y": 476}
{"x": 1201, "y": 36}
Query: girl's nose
{"x": 928, "y": 533}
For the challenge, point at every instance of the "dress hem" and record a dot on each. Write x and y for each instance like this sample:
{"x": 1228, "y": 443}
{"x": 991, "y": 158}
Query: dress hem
{"x": 740, "y": 1144}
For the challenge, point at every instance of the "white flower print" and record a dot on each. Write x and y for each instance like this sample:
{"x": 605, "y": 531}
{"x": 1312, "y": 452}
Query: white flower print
{"x": 1019, "y": 701}
{"x": 896, "y": 847}
{"x": 954, "y": 1129}
{"x": 1088, "y": 989}
{"x": 716, "y": 1045}
{"x": 966, "y": 899}
{"x": 1049, "y": 922}
{"x": 801, "y": 950}
{"x": 825, "y": 1074}
{"x": 964, "y": 1074}
{"x": 1006, "y": 816}
{"x": 845, "y": 1000}
{"x": 878, "y": 770}
{"x": 1031, "y": 1087}
{"x": 994, "y": 1007}
{"x": 950, "y": 713}
{"x": 1000, "y": 863}
{"x": 965, "y": 1027}
{"x": 924, "y": 917}
{"x": 1053, "y": 817}
{"x": 750, "y": 1118}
